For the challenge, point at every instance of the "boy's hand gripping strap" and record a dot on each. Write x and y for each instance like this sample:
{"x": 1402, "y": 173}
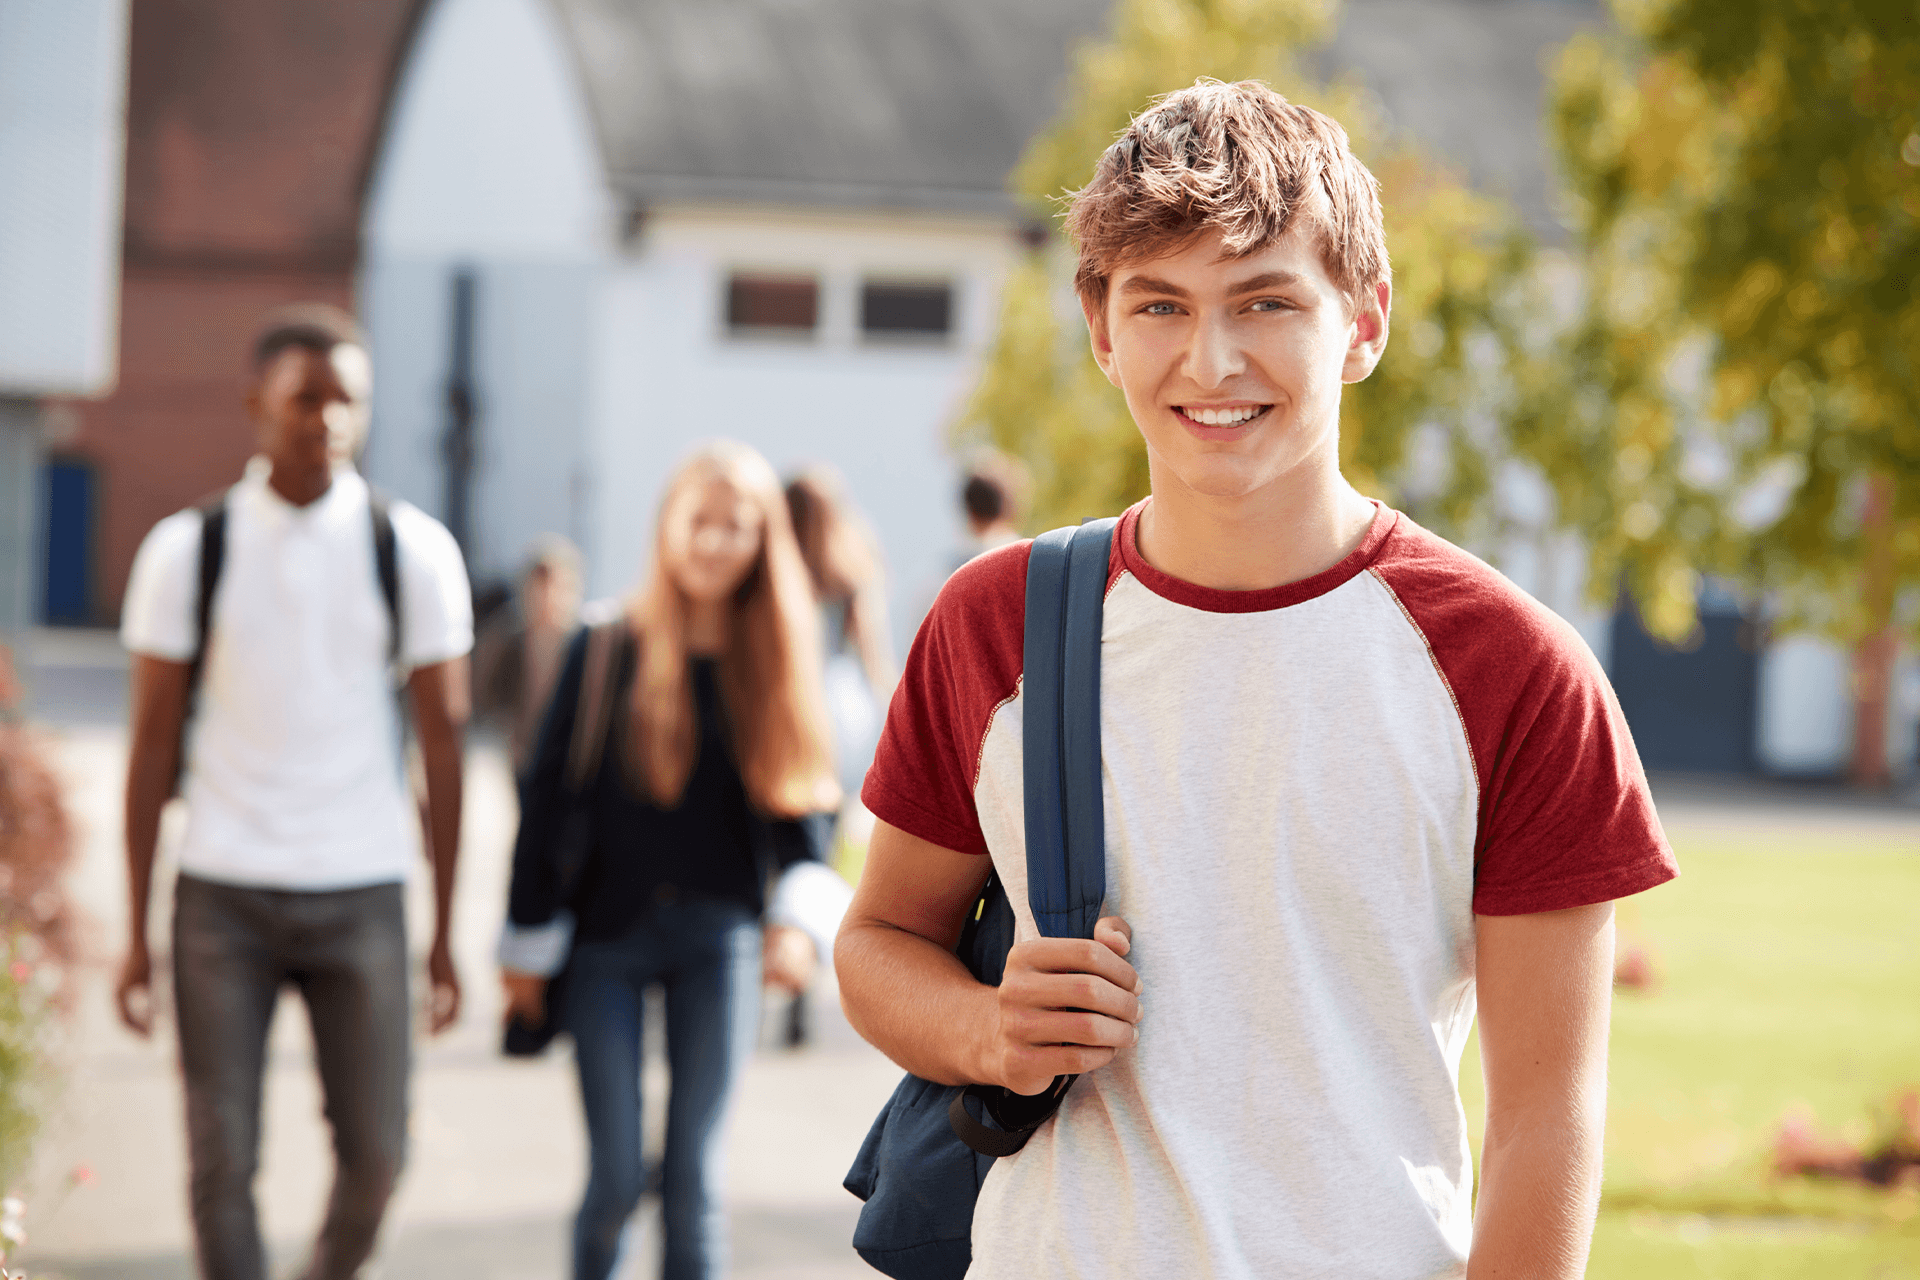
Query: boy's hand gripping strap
{"x": 1060, "y": 747}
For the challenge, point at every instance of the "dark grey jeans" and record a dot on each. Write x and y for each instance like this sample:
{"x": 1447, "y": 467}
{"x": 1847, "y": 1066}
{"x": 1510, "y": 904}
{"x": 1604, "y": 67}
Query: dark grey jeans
{"x": 345, "y": 951}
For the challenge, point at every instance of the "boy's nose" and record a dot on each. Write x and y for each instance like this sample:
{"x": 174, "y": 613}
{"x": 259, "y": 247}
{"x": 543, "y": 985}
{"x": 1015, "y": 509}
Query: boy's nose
{"x": 1214, "y": 354}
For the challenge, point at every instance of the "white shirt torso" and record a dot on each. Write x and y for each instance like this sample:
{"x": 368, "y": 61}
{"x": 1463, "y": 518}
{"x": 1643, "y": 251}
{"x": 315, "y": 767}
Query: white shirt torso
{"x": 294, "y": 777}
{"x": 1300, "y": 1069}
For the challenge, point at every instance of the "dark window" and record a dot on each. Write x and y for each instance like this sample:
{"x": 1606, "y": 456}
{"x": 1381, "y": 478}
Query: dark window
{"x": 906, "y": 310}
{"x": 770, "y": 302}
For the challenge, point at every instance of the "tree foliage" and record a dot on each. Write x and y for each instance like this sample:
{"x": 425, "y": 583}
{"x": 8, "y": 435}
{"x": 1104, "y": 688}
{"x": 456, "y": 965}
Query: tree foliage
{"x": 1462, "y": 283}
{"x": 1742, "y": 395}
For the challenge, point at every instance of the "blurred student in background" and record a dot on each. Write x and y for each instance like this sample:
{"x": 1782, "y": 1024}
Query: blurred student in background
{"x": 992, "y": 496}
{"x": 850, "y": 584}
{"x": 517, "y": 657}
{"x": 299, "y": 829}
{"x": 717, "y": 766}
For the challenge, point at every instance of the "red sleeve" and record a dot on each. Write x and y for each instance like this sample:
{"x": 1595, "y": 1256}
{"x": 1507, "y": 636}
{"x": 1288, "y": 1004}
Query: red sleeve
{"x": 1565, "y": 817}
{"x": 964, "y": 665}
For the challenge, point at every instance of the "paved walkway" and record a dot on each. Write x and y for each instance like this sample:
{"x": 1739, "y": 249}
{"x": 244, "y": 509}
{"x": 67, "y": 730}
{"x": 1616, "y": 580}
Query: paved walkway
{"x": 497, "y": 1150}
{"x": 498, "y": 1157}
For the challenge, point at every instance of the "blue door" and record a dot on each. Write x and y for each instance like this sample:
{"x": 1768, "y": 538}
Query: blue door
{"x": 1690, "y": 709}
{"x": 67, "y": 588}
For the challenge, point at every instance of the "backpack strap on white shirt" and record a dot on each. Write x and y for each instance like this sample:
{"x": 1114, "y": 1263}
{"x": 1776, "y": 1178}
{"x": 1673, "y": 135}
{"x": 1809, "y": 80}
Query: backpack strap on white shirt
{"x": 1065, "y": 819}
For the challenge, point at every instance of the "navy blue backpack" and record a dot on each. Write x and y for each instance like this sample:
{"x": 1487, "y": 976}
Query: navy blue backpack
{"x": 924, "y": 1160}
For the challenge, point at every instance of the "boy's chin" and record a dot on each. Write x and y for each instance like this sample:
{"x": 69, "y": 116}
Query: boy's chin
{"x": 1225, "y": 476}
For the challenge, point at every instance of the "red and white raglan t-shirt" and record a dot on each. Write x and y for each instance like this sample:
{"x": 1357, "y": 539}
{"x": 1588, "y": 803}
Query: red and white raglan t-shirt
{"x": 1310, "y": 793}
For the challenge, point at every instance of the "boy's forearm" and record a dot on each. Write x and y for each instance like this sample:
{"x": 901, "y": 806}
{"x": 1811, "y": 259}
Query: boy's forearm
{"x": 441, "y": 707}
{"x": 149, "y": 782}
{"x": 1539, "y": 1192}
{"x": 915, "y": 1002}
{"x": 440, "y": 761}
{"x": 157, "y": 696}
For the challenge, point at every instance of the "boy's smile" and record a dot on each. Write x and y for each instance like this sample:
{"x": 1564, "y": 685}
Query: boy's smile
{"x": 1232, "y": 367}
{"x": 1220, "y": 421}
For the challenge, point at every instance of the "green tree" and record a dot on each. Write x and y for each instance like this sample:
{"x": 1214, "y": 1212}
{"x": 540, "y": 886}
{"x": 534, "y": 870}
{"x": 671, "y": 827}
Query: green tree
{"x": 1742, "y": 394}
{"x": 1462, "y": 282}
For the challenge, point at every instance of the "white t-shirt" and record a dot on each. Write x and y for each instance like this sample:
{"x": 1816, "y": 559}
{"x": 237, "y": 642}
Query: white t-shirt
{"x": 293, "y": 769}
{"x": 1309, "y": 794}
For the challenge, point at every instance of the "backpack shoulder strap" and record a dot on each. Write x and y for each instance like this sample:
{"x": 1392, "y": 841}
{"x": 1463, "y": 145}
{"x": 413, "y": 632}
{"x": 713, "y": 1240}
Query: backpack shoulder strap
{"x": 1060, "y": 745}
{"x": 594, "y": 711}
{"x": 386, "y": 562}
{"x": 213, "y": 557}
{"x": 1060, "y": 690}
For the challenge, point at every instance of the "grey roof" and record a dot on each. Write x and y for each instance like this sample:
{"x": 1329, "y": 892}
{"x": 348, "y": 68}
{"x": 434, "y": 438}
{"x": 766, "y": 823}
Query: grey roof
{"x": 929, "y": 103}
{"x": 870, "y": 103}
{"x": 1468, "y": 79}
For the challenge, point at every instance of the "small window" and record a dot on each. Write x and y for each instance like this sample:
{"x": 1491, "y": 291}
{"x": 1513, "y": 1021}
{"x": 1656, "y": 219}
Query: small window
{"x": 772, "y": 304}
{"x": 906, "y": 310}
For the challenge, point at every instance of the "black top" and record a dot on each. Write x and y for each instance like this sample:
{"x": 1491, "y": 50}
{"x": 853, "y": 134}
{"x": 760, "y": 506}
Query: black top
{"x": 711, "y": 844}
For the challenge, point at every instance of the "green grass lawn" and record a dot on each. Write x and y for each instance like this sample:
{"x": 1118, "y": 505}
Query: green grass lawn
{"x": 1789, "y": 975}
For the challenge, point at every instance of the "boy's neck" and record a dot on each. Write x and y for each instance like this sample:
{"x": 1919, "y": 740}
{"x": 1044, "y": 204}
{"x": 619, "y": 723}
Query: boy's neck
{"x": 300, "y": 486}
{"x": 1283, "y": 533}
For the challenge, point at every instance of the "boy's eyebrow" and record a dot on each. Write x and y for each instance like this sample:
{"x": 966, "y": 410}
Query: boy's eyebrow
{"x": 1265, "y": 280}
{"x": 1151, "y": 284}
{"x": 1252, "y": 284}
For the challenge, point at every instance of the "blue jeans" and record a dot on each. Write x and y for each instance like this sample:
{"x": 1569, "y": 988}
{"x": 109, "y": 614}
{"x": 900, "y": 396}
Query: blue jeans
{"x": 706, "y": 955}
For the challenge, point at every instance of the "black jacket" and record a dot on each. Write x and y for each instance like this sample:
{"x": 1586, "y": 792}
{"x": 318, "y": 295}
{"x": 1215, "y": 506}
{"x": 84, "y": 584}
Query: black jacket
{"x": 711, "y": 844}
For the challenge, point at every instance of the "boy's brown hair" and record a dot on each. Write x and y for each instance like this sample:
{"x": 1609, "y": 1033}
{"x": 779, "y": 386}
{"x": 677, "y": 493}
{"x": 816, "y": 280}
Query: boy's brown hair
{"x": 1238, "y": 158}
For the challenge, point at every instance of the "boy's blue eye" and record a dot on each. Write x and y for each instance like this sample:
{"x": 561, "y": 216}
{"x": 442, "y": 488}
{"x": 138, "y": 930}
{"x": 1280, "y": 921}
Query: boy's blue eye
{"x": 1159, "y": 308}
{"x": 1268, "y": 304}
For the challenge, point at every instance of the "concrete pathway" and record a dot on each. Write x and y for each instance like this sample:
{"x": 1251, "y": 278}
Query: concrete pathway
{"x": 498, "y": 1156}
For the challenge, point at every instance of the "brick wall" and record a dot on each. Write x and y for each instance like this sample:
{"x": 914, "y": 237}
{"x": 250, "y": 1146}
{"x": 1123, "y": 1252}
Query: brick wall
{"x": 252, "y": 126}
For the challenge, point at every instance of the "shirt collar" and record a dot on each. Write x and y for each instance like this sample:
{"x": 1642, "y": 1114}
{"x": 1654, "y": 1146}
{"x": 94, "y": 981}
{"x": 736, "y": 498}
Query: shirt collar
{"x": 347, "y": 490}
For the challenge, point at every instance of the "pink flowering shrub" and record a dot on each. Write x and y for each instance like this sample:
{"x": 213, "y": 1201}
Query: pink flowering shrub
{"x": 37, "y": 928}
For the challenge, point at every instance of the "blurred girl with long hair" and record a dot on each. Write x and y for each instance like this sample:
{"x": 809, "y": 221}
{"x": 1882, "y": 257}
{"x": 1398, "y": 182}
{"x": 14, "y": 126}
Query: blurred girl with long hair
{"x": 849, "y": 581}
{"x": 660, "y": 867}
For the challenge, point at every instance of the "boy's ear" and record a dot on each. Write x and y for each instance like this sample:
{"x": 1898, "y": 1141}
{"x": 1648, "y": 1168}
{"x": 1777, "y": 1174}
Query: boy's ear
{"x": 1367, "y": 340}
{"x": 1099, "y": 338}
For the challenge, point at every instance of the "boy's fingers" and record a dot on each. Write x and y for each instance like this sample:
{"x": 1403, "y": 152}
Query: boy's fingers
{"x": 1068, "y": 1028}
{"x": 1038, "y": 1072}
{"x": 136, "y": 1010}
{"x": 1075, "y": 955}
{"x": 1114, "y": 933}
{"x": 1039, "y": 994}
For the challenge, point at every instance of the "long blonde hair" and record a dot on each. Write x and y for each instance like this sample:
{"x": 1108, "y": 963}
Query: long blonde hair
{"x": 769, "y": 671}
{"x": 842, "y": 556}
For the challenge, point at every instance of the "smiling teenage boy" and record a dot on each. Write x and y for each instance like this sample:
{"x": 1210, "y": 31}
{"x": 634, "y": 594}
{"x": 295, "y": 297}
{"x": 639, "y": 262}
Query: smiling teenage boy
{"x": 1354, "y": 780}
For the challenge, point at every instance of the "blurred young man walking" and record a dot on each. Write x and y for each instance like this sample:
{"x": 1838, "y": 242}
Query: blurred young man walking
{"x": 266, "y": 629}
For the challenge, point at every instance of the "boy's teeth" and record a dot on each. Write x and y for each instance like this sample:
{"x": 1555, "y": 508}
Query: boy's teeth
{"x": 1222, "y": 417}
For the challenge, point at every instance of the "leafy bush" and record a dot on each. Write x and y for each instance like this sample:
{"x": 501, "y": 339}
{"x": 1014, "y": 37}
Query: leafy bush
{"x": 37, "y": 929}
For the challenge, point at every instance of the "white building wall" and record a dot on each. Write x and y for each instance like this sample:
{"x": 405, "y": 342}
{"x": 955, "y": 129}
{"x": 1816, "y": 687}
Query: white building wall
{"x": 1806, "y": 709}
{"x": 489, "y": 166}
{"x": 63, "y": 93}
{"x": 673, "y": 376}
{"x": 1806, "y": 717}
